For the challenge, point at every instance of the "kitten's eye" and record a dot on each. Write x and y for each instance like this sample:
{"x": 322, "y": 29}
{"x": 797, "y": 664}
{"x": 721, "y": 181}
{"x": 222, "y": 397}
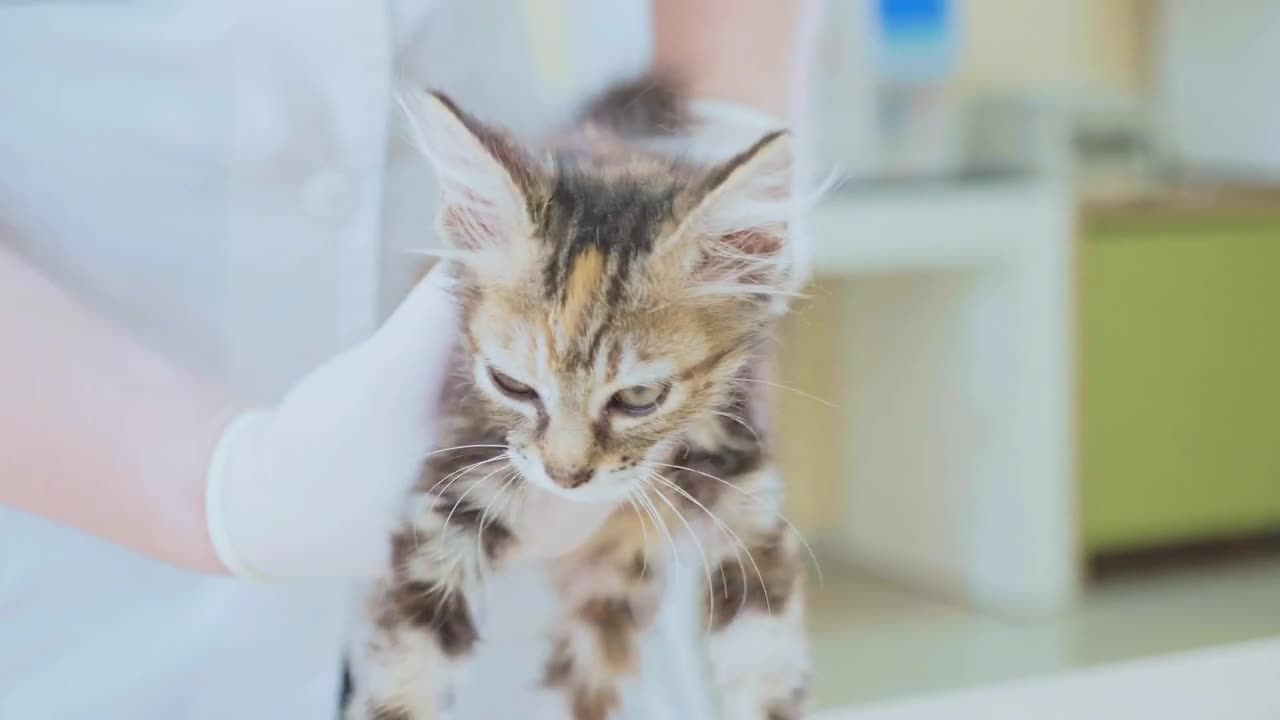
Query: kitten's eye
{"x": 639, "y": 399}
{"x": 511, "y": 386}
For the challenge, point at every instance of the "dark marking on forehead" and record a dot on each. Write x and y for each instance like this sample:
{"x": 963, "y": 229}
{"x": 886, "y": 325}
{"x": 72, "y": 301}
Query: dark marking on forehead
{"x": 619, "y": 215}
{"x": 601, "y": 219}
{"x": 594, "y": 346}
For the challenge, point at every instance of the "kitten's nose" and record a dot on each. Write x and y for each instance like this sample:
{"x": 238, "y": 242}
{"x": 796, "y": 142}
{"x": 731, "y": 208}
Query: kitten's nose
{"x": 569, "y": 477}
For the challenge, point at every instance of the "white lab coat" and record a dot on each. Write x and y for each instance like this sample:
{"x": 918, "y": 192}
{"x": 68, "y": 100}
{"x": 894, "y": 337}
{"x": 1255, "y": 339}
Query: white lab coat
{"x": 226, "y": 180}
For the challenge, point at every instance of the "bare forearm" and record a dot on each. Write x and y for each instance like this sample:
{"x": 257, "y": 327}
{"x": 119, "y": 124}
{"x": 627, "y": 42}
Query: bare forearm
{"x": 96, "y": 431}
{"x": 752, "y": 52}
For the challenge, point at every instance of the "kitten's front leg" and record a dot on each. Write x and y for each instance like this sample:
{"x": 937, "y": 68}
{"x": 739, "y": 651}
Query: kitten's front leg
{"x": 419, "y": 627}
{"x": 757, "y": 648}
{"x": 610, "y": 590}
{"x": 403, "y": 664}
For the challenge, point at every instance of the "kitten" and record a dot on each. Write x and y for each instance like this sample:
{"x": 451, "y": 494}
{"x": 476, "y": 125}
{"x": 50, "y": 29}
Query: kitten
{"x": 617, "y": 306}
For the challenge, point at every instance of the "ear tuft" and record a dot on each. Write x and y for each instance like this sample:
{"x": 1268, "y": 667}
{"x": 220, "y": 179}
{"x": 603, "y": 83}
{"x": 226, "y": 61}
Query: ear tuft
{"x": 740, "y": 222}
{"x": 485, "y": 176}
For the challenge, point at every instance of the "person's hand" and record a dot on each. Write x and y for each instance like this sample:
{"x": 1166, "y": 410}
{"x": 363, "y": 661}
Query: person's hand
{"x": 314, "y": 486}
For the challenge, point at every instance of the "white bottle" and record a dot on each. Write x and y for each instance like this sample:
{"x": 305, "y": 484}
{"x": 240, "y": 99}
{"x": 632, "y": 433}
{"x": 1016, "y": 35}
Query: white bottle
{"x": 915, "y": 57}
{"x": 844, "y": 93}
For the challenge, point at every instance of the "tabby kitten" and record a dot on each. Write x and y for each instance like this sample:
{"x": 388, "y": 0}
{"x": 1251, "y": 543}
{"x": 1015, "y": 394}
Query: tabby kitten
{"x": 617, "y": 304}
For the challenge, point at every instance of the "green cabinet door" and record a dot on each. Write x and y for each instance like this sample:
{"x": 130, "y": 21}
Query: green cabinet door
{"x": 1180, "y": 335}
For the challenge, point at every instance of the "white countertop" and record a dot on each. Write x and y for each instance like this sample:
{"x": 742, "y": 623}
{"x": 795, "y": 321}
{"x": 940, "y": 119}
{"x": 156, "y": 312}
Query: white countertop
{"x": 1238, "y": 682}
{"x": 933, "y": 226}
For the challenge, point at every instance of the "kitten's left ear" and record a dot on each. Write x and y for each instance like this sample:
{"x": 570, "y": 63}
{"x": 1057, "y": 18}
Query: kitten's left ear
{"x": 738, "y": 224}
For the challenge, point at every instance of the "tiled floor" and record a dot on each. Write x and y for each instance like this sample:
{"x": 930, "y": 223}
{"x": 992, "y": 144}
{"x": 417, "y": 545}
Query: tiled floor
{"x": 874, "y": 641}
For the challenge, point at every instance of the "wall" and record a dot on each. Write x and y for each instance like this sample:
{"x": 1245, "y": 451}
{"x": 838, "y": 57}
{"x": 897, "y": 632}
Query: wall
{"x": 1064, "y": 45}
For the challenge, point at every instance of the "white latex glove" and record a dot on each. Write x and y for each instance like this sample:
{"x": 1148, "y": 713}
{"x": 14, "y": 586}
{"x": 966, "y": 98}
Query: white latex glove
{"x": 314, "y": 487}
{"x": 717, "y": 131}
{"x": 722, "y": 129}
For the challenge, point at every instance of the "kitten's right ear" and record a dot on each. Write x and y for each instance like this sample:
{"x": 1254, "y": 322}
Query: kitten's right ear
{"x": 486, "y": 179}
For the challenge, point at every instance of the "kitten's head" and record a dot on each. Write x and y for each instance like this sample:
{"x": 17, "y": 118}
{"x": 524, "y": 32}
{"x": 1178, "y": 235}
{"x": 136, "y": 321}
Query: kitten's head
{"x": 610, "y": 297}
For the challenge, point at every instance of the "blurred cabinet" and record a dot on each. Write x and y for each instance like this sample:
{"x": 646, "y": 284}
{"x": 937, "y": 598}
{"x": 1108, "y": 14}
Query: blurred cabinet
{"x": 939, "y": 449}
{"x": 1216, "y": 90}
{"x": 1180, "y": 415}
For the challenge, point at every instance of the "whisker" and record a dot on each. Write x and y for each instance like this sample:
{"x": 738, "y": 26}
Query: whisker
{"x": 652, "y": 511}
{"x": 647, "y": 506}
{"x": 510, "y": 498}
{"x": 463, "y": 470}
{"x": 657, "y": 519}
{"x": 706, "y": 562}
{"x": 715, "y": 518}
{"x": 739, "y": 289}
{"x": 760, "y": 575}
{"x": 417, "y": 539}
{"x": 460, "y": 471}
{"x": 442, "y": 253}
{"x": 797, "y": 391}
{"x": 644, "y": 531}
{"x": 738, "y": 420}
{"x": 649, "y": 509}
{"x": 822, "y": 580}
{"x": 444, "y": 531}
{"x": 462, "y": 447}
{"x": 510, "y": 478}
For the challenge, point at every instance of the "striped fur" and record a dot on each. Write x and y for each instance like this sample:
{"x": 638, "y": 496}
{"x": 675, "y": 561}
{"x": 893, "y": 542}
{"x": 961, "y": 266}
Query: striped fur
{"x": 589, "y": 270}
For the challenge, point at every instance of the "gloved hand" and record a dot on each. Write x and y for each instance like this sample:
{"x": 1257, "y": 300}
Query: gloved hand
{"x": 721, "y": 129}
{"x": 314, "y": 486}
